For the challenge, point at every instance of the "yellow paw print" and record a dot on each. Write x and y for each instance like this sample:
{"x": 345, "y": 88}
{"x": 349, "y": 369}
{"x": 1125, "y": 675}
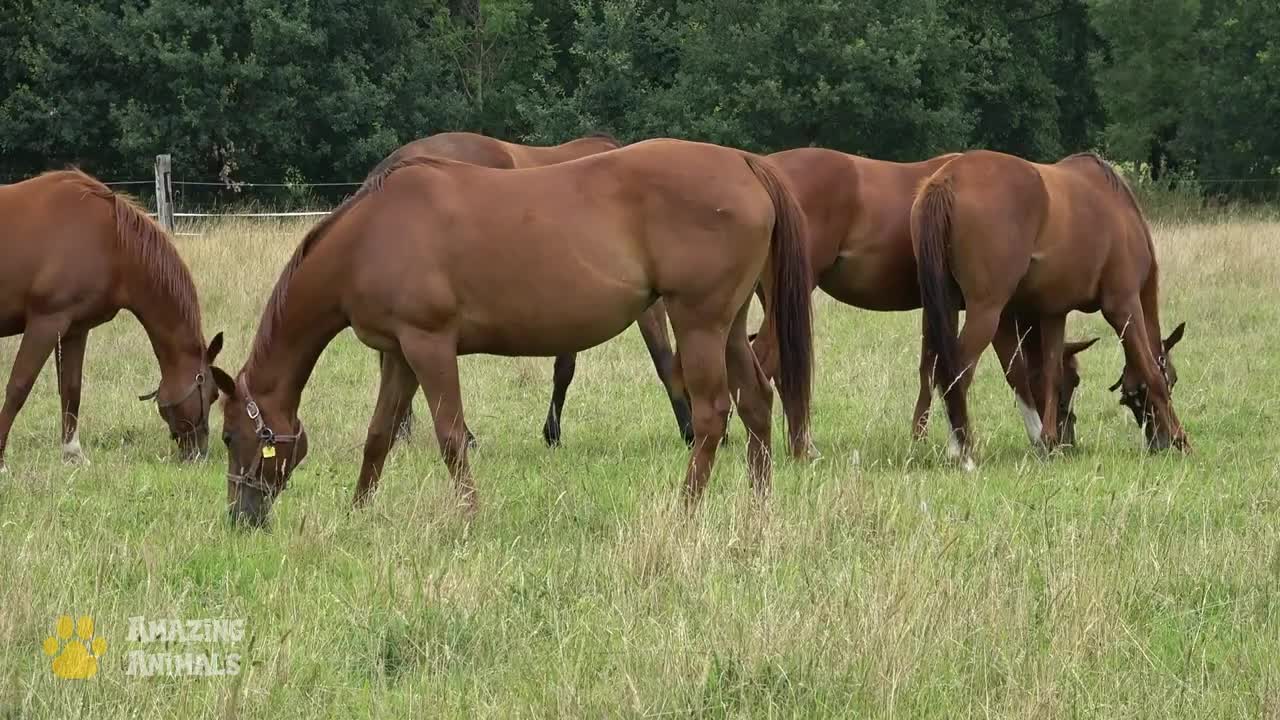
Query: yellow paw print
{"x": 75, "y": 659}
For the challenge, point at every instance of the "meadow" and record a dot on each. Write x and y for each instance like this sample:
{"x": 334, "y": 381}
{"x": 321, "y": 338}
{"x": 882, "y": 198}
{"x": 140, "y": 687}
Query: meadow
{"x": 878, "y": 581}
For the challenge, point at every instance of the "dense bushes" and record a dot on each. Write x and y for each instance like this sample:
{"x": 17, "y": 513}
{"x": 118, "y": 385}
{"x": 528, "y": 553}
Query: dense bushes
{"x": 320, "y": 90}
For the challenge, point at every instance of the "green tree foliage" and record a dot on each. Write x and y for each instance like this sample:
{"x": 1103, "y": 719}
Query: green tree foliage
{"x": 320, "y": 90}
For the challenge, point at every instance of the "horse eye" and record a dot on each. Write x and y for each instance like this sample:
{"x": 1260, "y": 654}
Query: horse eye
{"x": 226, "y": 438}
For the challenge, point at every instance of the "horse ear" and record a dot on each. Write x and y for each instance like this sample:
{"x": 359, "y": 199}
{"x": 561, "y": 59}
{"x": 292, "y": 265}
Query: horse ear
{"x": 1073, "y": 348}
{"x": 1174, "y": 337}
{"x": 215, "y": 347}
{"x": 225, "y": 384}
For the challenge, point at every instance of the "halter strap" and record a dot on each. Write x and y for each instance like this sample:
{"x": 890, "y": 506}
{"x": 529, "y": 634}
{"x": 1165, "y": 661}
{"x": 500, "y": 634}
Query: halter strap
{"x": 267, "y": 438}
{"x": 195, "y": 387}
{"x": 155, "y": 394}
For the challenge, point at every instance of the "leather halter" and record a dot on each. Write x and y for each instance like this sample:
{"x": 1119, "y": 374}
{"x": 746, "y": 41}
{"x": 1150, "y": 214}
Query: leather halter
{"x": 1136, "y": 399}
{"x": 267, "y": 438}
{"x": 196, "y": 386}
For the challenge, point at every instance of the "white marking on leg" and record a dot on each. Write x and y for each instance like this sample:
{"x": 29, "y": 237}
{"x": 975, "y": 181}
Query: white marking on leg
{"x": 1031, "y": 421}
{"x": 953, "y": 446}
{"x": 71, "y": 450}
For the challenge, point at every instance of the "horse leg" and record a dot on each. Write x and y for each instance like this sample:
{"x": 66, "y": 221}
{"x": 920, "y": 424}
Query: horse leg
{"x": 980, "y": 326}
{"x": 749, "y": 387}
{"x": 395, "y": 393}
{"x": 434, "y": 360}
{"x": 653, "y": 328}
{"x": 404, "y": 426}
{"x": 924, "y": 399}
{"x": 1010, "y": 344}
{"x": 702, "y": 349}
{"x": 1126, "y": 317}
{"x": 563, "y": 375}
{"x": 69, "y": 364}
{"x": 38, "y": 342}
{"x": 1053, "y": 329}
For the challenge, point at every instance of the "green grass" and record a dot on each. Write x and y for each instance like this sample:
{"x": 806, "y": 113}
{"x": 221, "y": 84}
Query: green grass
{"x": 878, "y": 582}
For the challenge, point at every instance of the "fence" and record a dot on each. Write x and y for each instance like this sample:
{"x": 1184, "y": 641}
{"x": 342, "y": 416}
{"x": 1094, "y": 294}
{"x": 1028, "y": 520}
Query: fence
{"x": 166, "y": 212}
{"x": 167, "y": 215}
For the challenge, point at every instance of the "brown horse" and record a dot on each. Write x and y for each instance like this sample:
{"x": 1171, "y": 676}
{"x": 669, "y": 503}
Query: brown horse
{"x": 491, "y": 152}
{"x": 1001, "y": 234}
{"x": 73, "y": 254}
{"x": 437, "y": 259}
{"x": 859, "y": 242}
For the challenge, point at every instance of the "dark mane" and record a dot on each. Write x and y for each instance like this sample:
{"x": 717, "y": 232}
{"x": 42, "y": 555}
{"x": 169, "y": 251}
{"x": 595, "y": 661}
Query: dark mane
{"x": 144, "y": 240}
{"x": 1117, "y": 182}
{"x": 273, "y": 313}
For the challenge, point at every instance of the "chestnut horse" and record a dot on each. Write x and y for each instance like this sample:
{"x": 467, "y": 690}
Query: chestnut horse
{"x": 997, "y": 234}
{"x": 436, "y": 259}
{"x": 859, "y": 242}
{"x": 491, "y": 152}
{"x": 73, "y": 254}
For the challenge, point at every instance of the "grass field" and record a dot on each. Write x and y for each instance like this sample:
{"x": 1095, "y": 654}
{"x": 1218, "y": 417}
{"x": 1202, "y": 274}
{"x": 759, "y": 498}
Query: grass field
{"x": 877, "y": 582}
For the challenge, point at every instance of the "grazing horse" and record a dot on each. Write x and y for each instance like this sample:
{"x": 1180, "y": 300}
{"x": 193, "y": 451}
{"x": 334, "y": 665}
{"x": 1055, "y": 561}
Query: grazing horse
{"x": 73, "y": 254}
{"x": 859, "y": 241}
{"x": 491, "y": 152}
{"x": 436, "y": 259}
{"x": 997, "y": 234}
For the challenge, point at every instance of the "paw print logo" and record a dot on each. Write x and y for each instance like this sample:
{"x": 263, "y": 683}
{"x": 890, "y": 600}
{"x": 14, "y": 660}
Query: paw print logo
{"x": 75, "y": 658}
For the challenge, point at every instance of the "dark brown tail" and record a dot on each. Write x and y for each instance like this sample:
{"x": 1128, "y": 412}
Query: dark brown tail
{"x": 931, "y": 229}
{"x": 791, "y": 312}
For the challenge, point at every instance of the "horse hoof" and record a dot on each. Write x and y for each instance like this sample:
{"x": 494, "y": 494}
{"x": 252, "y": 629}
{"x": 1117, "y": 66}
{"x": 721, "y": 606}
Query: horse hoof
{"x": 551, "y": 436}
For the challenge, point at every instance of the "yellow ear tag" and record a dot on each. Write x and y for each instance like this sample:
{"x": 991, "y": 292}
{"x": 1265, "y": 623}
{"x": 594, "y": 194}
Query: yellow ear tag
{"x": 268, "y": 451}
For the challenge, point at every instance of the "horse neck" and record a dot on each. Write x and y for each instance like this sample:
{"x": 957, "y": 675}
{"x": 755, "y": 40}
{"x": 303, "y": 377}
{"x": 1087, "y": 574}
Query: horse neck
{"x": 173, "y": 328}
{"x": 1150, "y": 298}
{"x": 571, "y": 150}
{"x": 280, "y": 367}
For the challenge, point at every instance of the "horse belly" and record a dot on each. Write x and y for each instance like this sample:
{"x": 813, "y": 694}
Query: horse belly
{"x": 873, "y": 280}
{"x": 558, "y": 329}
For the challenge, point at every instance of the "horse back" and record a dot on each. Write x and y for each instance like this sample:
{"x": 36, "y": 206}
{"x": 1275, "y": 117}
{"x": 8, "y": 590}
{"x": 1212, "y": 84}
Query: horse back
{"x": 56, "y": 244}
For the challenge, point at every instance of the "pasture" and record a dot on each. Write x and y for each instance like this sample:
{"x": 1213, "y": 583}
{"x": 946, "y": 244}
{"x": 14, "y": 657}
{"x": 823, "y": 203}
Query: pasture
{"x": 879, "y": 581}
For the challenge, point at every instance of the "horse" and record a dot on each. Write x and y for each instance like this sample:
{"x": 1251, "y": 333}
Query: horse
{"x": 491, "y": 152}
{"x": 437, "y": 258}
{"x": 73, "y": 253}
{"x": 1000, "y": 234}
{"x": 860, "y": 253}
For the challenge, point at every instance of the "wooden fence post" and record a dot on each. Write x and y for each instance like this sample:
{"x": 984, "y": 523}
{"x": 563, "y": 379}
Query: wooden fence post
{"x": 164, "y": 191}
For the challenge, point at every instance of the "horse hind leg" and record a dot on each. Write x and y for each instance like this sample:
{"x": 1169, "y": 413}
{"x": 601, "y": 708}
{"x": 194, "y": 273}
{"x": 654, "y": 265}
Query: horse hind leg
{"x": 561, "y": 378}
{"x": 702, "y": 349}
{"x": 653, "y": 328}
{"x": 395, "y": 393}
{"x": 1012, "y": 347}
{"x": 750, "y": 390}
{"x": 980, "y": 326}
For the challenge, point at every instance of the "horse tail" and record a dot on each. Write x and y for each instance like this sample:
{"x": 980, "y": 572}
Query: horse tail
{"x": 931, "y": 230}
{"x": 791, "y": 311}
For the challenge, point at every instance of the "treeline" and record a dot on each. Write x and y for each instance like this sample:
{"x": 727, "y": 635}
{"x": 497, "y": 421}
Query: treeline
{"x": 320, "y": 90}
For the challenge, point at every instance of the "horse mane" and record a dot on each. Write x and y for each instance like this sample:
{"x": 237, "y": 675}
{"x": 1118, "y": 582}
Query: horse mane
{"x": 602, "y": 135}
{"x": 1151, "y": 288}
{"x": 1115, "y": 180}
{"x": 144, "y": 240}
{"x": 273, "y": 313}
